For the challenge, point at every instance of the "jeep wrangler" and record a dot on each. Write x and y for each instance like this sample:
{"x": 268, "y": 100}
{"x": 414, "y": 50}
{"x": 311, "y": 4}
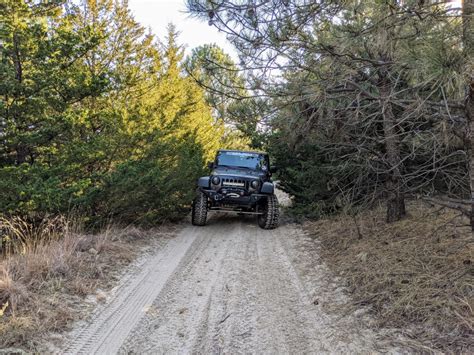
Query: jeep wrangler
{"x": 240, "y": 181}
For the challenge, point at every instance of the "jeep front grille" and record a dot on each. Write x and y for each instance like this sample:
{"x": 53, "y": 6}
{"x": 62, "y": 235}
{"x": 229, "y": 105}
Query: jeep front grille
{"x": 233, "y": 182}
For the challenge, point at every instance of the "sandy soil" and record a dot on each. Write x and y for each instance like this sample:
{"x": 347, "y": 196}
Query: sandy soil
{"x": 228, "y": 287}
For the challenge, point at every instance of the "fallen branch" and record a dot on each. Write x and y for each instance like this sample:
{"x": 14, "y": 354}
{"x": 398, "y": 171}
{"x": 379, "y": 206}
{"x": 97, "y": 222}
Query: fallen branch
{"x": 455, "y": 204}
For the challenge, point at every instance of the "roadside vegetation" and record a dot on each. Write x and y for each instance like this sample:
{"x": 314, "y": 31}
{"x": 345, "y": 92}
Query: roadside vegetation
{"x": 413, "y": 276}
{"x": 97, "y": 115}
{"x": 50, "y": 269}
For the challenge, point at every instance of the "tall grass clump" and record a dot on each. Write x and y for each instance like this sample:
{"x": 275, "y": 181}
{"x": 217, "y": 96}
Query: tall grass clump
{"x": 18, "y": 235}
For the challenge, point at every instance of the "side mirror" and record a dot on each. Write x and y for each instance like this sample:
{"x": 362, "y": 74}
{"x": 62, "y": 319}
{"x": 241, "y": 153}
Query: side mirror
{"x": 273, "y": 169}
{"x": 210, "y": 165}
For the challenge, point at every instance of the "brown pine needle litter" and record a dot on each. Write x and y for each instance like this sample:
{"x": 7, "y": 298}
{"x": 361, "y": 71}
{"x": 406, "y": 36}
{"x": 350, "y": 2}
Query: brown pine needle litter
{"x": 415, "y": 275}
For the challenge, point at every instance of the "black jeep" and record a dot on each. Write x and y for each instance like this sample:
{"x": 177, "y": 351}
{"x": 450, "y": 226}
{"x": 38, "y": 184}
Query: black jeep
{"x": 240, "y": 181}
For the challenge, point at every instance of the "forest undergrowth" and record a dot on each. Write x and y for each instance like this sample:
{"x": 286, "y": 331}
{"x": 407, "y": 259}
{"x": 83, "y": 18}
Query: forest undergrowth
{"x": 415, "y": 275}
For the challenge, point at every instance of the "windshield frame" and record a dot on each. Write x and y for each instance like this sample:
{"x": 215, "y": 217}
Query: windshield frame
{"x": 263, "y": 161}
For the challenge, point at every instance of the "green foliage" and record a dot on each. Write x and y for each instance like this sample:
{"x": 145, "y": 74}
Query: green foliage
{"x": 155, "y": 187}
{"x": 96, "y": 115}
{"x": 334, "y": 127}
{"x": 303, "y": 174}
{"x": 216, "y": 71}
{"x": 366, "y": 100}
{"x": 226, "y": 92}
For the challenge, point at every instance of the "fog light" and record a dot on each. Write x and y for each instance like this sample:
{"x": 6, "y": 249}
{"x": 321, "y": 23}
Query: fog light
{"x": 215, "y": 180}
{"x": 255, "y": 184}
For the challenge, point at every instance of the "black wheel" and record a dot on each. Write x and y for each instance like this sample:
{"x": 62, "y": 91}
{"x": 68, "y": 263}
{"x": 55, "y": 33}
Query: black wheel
{"x": 271, "y": 212}
{"x": 199, "y": 212}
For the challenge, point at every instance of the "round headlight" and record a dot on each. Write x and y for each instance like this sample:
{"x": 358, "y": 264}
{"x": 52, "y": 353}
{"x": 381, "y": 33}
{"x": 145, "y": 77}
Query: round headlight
{"x": 255, "y": 184}
{"x": 216, "y": 180}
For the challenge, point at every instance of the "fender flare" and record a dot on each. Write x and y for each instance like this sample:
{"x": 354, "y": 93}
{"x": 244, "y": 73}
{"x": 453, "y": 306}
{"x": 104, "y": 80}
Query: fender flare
{"x": 204, "y": 182}
{"x": 268, "y": 188}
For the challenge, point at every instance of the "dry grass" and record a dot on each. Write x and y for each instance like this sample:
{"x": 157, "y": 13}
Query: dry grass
{"x": 47, "y": 270}
{"x": 17, "y": 235}
{"x": 416, "y": 275}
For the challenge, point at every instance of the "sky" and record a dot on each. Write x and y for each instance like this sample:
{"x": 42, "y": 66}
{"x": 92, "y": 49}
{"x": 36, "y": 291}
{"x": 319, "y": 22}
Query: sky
{"x": 156, "y": 14}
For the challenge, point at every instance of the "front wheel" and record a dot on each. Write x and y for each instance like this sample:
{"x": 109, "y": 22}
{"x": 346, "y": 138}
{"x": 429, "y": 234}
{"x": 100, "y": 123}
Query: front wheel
{"x": 199, "y": 212}
{"x": 269, "y": 218}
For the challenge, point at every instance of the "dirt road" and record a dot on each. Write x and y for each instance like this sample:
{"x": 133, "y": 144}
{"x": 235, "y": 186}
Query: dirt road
{"x": 228, "y": 287}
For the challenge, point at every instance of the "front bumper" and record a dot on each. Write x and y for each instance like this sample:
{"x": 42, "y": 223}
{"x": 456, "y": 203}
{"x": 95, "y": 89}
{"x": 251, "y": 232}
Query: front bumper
{"x": 234, "y": 197}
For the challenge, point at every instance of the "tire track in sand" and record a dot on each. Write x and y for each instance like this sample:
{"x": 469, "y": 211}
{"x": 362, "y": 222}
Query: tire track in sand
{"x": 107, "y": 330}
{"x": 228, "y": 287}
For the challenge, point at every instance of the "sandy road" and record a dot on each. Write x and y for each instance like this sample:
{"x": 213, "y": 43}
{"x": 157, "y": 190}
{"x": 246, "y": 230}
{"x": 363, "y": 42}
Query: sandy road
{"x": 228, "y": 287}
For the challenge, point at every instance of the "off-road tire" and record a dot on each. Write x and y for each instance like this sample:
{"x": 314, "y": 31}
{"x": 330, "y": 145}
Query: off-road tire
{"x": 199, "y": 211}
{"x": 271, "y": 212}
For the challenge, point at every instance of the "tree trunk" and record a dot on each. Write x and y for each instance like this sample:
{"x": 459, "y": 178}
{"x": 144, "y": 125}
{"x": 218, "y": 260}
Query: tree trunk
{"x": 21, "y": 149}
{"x": 21, "y": 153}
{"x": 468, "y": 42}
{"x": 394, "y": 184}
{"x": 17, "y": 59}
{"x": 470, "y": 118}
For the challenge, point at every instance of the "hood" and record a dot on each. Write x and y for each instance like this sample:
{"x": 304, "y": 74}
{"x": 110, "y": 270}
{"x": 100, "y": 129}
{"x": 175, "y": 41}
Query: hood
{"x": 238, "y": 172}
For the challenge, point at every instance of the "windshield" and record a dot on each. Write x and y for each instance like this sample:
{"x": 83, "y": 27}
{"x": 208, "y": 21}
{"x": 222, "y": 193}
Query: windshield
{"x": 242, "y": 160}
